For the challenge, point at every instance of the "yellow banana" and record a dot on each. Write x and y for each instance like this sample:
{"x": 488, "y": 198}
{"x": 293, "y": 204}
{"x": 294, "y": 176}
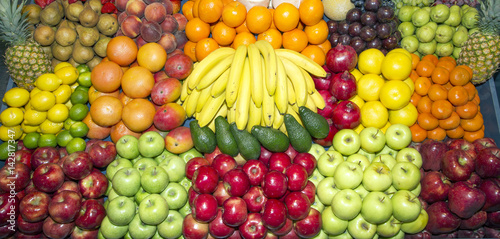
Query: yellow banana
{"x": 310, "y": 104}
{"x": 219, "y": 86}
{"x": 293, "y": 113}
{"x": 318, "y": 99}
{"x": 231, "y": 113}
{"x": 203, "y": 98}
{"x": 291, "y": 92}
{"x": 192, "y": 102}
{"x": 215, "y": 72}
{"x": 254, "y": 116}
{"x": 278, "y": 118}
{"x": 184, "y": 90}
{"x": 235, "y": 75}
{"x": 267, "y": 106}
{"x": 270, "y": 59}
{"x": 208, "y": 63}
{"x": 244, "y": 97}
{"x": 298, "y": 81}
{"x": 210, "y": 109}
{"x": 222, "y": 112}
{"x": 280, "y": 96}
{"x": 302, "y": 61}
{"x": 311, "y": 87}
{"x": 255, "y": 74}
{"x": 283, "y": 129}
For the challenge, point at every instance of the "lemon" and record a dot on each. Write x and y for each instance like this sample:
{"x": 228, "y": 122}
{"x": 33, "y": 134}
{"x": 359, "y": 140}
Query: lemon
{"x": 43, "y": 101}
{"x": 69, "y": 104}
{"x": 411, "y": 84}
{"x": 357, "y": 74}
{"x": 35, "y": 91}
{"x": 12, "y": 116}
{"x": 401, "y": 50}
{"x": 49, "y": 127}
{"x": 27, "y": 106}
{"x": 16, "y": 97}
{"x": 406, "y": 115}
{"x": 369, "y": 87}
{"x": 29, "y": 128}
{"x": 370, "y": 61}
{"x": 359, "y": 128}
{"x": 34, "y": 117}
{"x": 386, "y": 127}
{"x": 374, "y": 114}
{"x": 357, "y": 100}
{"x": 74, "y": 85}
{"x": 10, "y": 132}
{"x": 48, "y": 82}
{"x": 57, "y": 114}
{"x": 396, "y": 66}
{"x": 395, "y": 95}
{"x": 62, "y": 65}
{"x": 62, "y": 94}
{"x": 68, "y": 75}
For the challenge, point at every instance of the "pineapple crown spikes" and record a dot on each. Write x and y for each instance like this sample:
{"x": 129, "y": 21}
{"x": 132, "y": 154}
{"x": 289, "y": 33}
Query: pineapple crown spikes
{"x": 13, "y": 22}
{"x": 489, "y": 19}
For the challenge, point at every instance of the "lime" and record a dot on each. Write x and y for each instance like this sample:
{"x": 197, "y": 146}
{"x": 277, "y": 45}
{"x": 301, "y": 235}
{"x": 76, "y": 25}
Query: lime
{"x": 16, "y": 97}
{"x": 79, "y": 97}
{"x": 84, "y": 79}
{"x": 47, "y": 140}
{"x": 34, "y": 117}
{"x": 62, "y": 94}
{"x": 49, "y": 127}
{"x": 29, "y": 128}
{"x": 62, "y": 65}
{"x": 76, "y": 144}
{"x": 43, "y": 101}
{"x": 68, "y": 122}
{"x": 48, "y": 82}
{"x": 63, "y": 138}
{"x": 68, "y": 75}
{"x": 83, "y": 88}
{"x": 12, "y": 116}
{"x": 57, "y": 114}
{"x": 78, "y": 112}
{"x": 6, "y": 148}
{"x": 78, "y": 129}
{"x": 83, "y": 68}
{"x": 30, "y": 141}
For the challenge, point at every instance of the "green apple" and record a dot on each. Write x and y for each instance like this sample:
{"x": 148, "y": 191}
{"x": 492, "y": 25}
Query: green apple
{"x": 416, "y": 225}
{"x": 361, "y": 228}
{"x": 186, "y": 183}
{"x": 361, "y": 191}
{"x": 331, "y": 224}
{"x": 175, "y": 195}
{"x": 144, "y": 163}
{"x": 112, "y": 194}
{"x": 316, "y": 177}
{"x": 389, "y": 228}
{"x": 405, "y": 175}
{"x": 109, "y": 230}
{"x": 410, "y": 155}
{"x": 321, "y": 235}
{"x": 399, "y": 235}
{"x": 127, "y": 182}
{"x": 346, "y": 204}
{"x": 344, "y": 235}
{"x": 185, "y": 210}
{"x": 140, "y": 229}
{"x": 121, "y": 211}
{"x": 186, "y": 156}
{"x": 405, "y": 206}
{"x": 372, "y": 139}
{"x": 369, "y": 156}
{"x": 116, "y": 165}
{"x": 346, "y": 141}
{"x": 127, "y": 147}
{"x": 154, "y": 179}
{"x": 377, "y": 177}
{"x": 398, "y": 136}
{"x": 328, "y": 162}
{"x": 160, "y": 158}
{"x": 386, "y": 159}
{"x": 175, "y": 167}
{"x": 171, "y": 227}
{"x": 388, "y": 150}
{"x": 317, "y": 204}
{"x": 140, "y": 195}
{"x": 316, "y": 150}
{"x": 326, "y": 190}
{"x": 151, "y": 144}
{"x": 376, "y": 207}
{"x": 157, "y": 235}
{"x": 359, "y": 159}
{"x": 417, "y": 190}
{"x": 153, "y": 209}
{"x": 348, "y": 175}
{"x": 390, "y": 191}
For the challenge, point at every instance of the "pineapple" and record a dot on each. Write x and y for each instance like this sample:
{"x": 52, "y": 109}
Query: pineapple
{"x": 24, "y": 58}
{"x": 481, "y": 52}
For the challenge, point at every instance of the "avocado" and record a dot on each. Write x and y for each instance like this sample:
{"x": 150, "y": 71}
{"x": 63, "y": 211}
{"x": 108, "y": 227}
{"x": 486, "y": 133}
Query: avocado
{"x": 272, "y": 139}
{"x": 203, "y": 137}
{"x": 314, "y": 123}
{"x": 248, "y": 145}
{"x": 300, "y": 138}
{"x": 225, "y": 140}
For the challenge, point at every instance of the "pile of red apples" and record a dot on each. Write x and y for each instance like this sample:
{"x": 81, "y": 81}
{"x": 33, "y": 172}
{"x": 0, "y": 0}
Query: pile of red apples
{"x": 47, "y": 193}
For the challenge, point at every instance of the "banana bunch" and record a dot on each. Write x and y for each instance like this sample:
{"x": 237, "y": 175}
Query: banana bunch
{"x": 252, "y": 85}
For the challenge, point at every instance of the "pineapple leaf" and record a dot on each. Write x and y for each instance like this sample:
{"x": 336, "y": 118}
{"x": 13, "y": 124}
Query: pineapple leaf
{"x": 13, "y": 22}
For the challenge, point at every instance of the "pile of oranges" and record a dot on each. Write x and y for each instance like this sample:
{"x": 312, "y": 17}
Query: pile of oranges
{"x": 216, "y": 23}
{"x": 446, "y": 100}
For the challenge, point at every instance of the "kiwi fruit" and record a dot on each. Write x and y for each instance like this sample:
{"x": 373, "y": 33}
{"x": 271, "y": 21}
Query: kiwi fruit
{"x": 44, "y": 35}
{"x": 107, "y": 24}
{"x": 73, "y": 11}
{"x": 88, "y": 17}
{"x": 62, "y": 53}
{"x": 65, "y": 36}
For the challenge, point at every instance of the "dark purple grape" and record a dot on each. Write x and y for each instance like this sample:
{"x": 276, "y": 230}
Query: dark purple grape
{"x": 332, "y": 26}
{"x": 397, "y": 34}
{"x": 358, "y": 44}
{"x": 383, "y": 50}
{"x": 353, "y": 15}
{"x": 385, "y": 14}
{"x": 369, "y": 18}
{"x": 383, "y": 30}
{"x": 394, "y": 25}
{"x": 343, "y": 27}
{"x": 355, "y": 29}
{"x": 390, "y": 43}
{"x": 344, "y": 39}
{"x": 334, "y": 38}
{"x": 372, "y": 5}
{"x": 375, "y": 43}
{"x": 368, "y": 33}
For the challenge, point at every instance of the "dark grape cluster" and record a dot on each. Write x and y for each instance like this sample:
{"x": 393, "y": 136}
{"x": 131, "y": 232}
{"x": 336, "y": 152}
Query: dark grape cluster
{"x": 361, "y": 4}
{"x": 449, "y": 3}
{"x": 376, "y": 27}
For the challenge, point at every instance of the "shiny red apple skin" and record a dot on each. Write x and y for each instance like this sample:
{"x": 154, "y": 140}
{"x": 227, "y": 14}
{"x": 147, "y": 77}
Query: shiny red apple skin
{"x": 310, "y": 191}
{"x": 309, "y": 226}
{"x": 291, "y": 152}
{"x": 69, "y": 186}
{"x": 463, "y": 145}
{"x": 488, "y": 163}
{"x": 220, "y": 193}
{"x": 307, "y": 160}
{"x": 192, "y": 195}
{"x": 79, "y": 233}
{"x": 52, "y": 229}
{"x": 493, "y": 219}
{"x": 441, "y": 219}
{"x": 223, "y": 163}
{"x": 265, "y": 155}
{"x": 234, "y": 211}
{"x": 297, "y": 205}
{"x": 44, "y": 155}
{"x": 491, "y": 188}
{"x": 255, "y": 170}
{"x": 274, "y": 184}
{"x": 482, "y": 143}
{"x": 297, "y": 177}
{"x": 236, "y": 182}
{"x": 279, "y": 162}
{"x": 218, "y": 229}
{"x": 23, "y": 156}
{"x": 432, "y": 152}
{"x": 457, "y": 165}
{"x": 34, "y": 207}
{"x": 64, "y": 206}
{"x": 193, "y": 164}
{"x": 9, "y": 205}
{"x": 476, "y": 221}
{"x": 14, "y": 177}
{"x": 435, "y": 187}
{"x": 464, "y": 200}
{"x": 91, "y": 214}
{"x": 255, "y": 199}
{"x": 77, "y": 165}
{"x": 285, "y": 229}
{"x": 102, "y": 153}
{"x": 94, "y": 185}
{"x": 274, "y": 215}
{"x": 48, "y": 177}
{"x": 204, "y": 208}
{"x": 29, "y": 227}
{"x": 192, "y": 229}
{"x": 253, "y": 228}
{"x": 205, "y": 179}
{"x": 211, "y": 156}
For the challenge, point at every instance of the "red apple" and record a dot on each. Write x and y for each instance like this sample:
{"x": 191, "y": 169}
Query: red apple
{"x": 279, "y": 162}
{"x": 265, "y": 155}
{"x": 34, "y": 207}
{"x": 23, "y": 156}
{"x": 291, "y": 152}
{"x": 223, "y": 163}
{"x": 274, "y": 215}
{"x": 77, "y": 165}
{"x": 166, "y": 91}
{"x": 193, "y": 164}
{"x": 274, "y": 184}
{"x": 236, "y": 182}
{"x": 6, "y": 231}
{"x": 44, "y": 155}
{"x": 441, "y": 219}
{"x": 482, "y": 143}
{"x": 488, "y": 162}
{"x": 94, "y": 185}
{"x": 285, "y": 229}
{"x": 491, "y": 188}
{"x": 69, "y": 186}
{"x": 463, "y": 145}
{"x": 64, "y": 206}
{"x": 255, "y": 170}
{"x": 9, "y": 209}
{"x": 29, "y": 227}
{"x": 310, "y": 191}
{"x": 102, "y": 153}
{"x": 457, "y": 165}
{"x": 297, "y": 205}
{"x": 476, "y": 221}
{"x": 220, "y": 193}
{"x": 464, "y": 200}
{"x": 192, "y": 229}
{"x": 253, "y": 227}
{"x": 205, "y": 179}
{"x": 309, "y": 226}
{"x": 52, "y": 229}
{"x": 234, "y": 211}
{"x": 48, "y": 177}
{"x": 255, "y": 199}
{"x": 218, "y": 229}
{"x": 204, "y": 208}
{"x": 432, "y": 152}
{"x": 179, "y": 66}
{"x": 493, "y": 219}
{"x": 296, "y": 176}
{"x": 435, "y": 187}
{"x": 14, "y": 178}
{"x": 79, "y": 233}
{"x": 211, "y": 156}
{"x": 307, "y": 160}
{"x": 91, "y": 214}
{"x": 191, "y": 196}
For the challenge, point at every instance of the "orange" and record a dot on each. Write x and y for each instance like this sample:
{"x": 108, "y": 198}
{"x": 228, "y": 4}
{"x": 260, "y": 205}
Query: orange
{"x": 466, "y": 68}
{"x": 152, "y": 56}
{"x": 295, "y": 40}
{"x": 137, "y": 82}
{"x": 95, "y": 131}
{"x": 243, "y": 38}
{"x": 273, "y": 26}
{"x": 205, "y": 47}
{"x": 458, "y": 95}
{"x": 286, "y": 17}
{"x": 325, "y": 46}
{"x": 259, "y": 19}
{"x": 210, "y": 11}
{"x": 242, "y": 28}
{"x": 234, "y": 14}
{"x": 456, "y": 133}
{"x": 94, "y": 94}
{"x": 120, "y": 129}
{"x": 124, "y": 98}
{"x": 473, "y": 124}
{"x": 431, "y": 58}
{"x": 441, "y": 109}
{"x": 272, "y": 36}
{"x": 427, "y": 121}
{"x": 106, "y": 76}
{"x": 415, "y": 59}
{"x": 413, "y": 75}
{"x": 190, "y": 50}
{"x": 122, "y": 50}
{"x": 195, "y": 8}
{"x": 223, "y": 34}
{"x": 437, "y": 92}
{"x": 424, "y": 105}
{"x": 448, "y": 58}
{"x": 138, "y": 114}
{"x": 311, "y": 11}
{"x": 467, "y": 111}
{"x": 317, "y": 33}
{"x": 314, "y": 53}
{"x": 187, "y": 10}
{"x": 436, "y": 134}
{"x": 422, "y": 85}
{"x": 448, "y": 85}
{"x": 440, "y": 75}
{"x": 471, "y": 89}
{"x": 448, "y": 65}
{"x": 425, "y": 68}
{"x": 106, "y": 111}
{"x": 415, "y": 98}
{"x": 451, "y": 122}
{"x": 472, "y": 136}
{"x": 459, "y": 76}
{"x": 196, "y": 29}
{"x": 417, "y": 133}
{"x": 476, "y": 100}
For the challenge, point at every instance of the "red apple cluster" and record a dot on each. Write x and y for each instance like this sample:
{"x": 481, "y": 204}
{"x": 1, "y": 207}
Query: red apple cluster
{"x": 52, "y": 194}
{"x": 266, "y": 198}
{"x": 461, "y": 187}
{"x": 336, "y": 89}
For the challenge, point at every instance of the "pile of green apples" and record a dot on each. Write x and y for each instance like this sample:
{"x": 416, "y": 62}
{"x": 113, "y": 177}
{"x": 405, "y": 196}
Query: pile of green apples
{"x": 439, "y": 30}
